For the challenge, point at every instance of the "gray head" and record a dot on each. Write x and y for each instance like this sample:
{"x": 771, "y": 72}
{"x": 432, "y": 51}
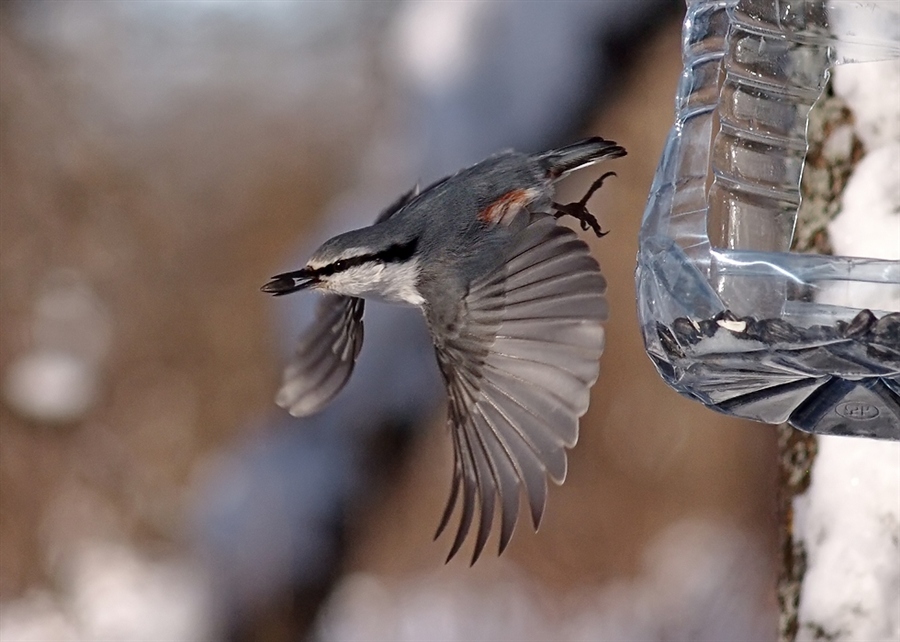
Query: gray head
{"x": 369, "y": 262}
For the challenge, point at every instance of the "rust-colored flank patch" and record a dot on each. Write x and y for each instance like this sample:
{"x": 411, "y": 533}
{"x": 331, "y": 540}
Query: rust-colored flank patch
{"x": 507, "y": 206}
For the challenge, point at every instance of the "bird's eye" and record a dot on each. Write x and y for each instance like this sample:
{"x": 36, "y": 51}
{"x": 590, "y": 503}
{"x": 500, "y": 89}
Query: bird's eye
{"x": 340, "y": 265}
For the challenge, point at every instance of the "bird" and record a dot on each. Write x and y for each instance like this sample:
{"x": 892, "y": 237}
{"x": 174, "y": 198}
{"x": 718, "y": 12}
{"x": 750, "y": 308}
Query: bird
{"x": 515, "y": 305}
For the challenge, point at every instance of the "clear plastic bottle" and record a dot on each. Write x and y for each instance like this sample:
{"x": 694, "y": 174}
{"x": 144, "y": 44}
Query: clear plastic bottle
{"x": 730, "y": 316}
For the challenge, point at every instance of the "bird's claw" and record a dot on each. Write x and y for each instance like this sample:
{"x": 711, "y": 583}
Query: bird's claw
{"x": 579, "y": 210}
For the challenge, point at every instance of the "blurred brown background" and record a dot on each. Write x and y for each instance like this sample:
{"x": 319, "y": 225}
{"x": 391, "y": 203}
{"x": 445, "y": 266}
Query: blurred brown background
{"x": 142, "y": 203}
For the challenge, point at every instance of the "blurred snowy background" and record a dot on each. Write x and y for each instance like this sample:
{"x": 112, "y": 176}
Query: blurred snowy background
{"x": 158, "y": 162}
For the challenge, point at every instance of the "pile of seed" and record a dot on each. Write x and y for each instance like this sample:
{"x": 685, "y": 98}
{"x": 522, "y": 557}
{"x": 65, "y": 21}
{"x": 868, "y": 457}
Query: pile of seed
{"x": 880, "y": 337}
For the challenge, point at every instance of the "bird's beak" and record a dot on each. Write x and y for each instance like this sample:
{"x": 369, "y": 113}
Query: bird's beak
{"x": 288, "y": 282}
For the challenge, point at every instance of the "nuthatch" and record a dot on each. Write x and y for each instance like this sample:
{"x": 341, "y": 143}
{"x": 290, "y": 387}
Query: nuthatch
{"x": 514, "y": 303}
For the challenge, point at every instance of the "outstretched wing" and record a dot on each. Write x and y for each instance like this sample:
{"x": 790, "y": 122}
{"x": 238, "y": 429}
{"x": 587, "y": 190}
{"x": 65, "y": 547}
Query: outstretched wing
{"x": 519, "y": 358}
{"x": 325, "y": 356}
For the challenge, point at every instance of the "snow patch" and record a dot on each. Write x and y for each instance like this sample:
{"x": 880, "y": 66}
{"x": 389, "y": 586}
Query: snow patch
{"x": 849, "y": 522}
{"x": 872, "y": 91}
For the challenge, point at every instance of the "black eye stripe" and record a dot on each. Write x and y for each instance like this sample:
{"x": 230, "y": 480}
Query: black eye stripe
{"x": 394, "y": 254}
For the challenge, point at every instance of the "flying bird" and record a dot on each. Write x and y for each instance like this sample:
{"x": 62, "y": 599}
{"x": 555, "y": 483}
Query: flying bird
{"x": 515, "y": 306}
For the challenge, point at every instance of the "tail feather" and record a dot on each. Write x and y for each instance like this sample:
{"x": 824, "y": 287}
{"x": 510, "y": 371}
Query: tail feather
{"x": 562, "y": 161}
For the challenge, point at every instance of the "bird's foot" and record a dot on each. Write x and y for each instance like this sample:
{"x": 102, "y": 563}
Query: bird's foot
{"x": 580, "y": 211}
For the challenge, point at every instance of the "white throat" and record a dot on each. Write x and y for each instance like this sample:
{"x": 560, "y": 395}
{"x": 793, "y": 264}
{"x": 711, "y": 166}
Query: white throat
{"x": 391, "y": 282}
